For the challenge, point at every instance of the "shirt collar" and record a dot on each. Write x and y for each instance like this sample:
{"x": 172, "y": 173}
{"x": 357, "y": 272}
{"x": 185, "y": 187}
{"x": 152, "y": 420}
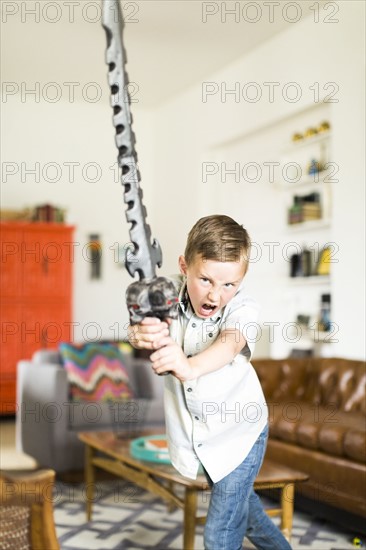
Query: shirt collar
{"x": 184, "y": 302}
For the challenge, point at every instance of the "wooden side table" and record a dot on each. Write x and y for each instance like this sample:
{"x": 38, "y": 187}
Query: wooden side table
{"x": 103, "y": 450}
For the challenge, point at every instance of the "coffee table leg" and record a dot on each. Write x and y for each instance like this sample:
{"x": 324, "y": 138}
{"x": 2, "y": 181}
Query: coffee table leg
{"x": 287, "y": 505}
{"x": 89, "y": 480}
{"x": 190, "y": 507}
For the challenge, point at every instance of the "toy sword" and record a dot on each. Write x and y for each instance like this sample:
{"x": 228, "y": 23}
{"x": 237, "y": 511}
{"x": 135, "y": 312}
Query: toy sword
{"x": 151, "y": 296}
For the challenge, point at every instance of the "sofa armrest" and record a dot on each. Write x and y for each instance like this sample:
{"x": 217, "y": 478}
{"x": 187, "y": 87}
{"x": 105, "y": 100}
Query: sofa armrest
{"x": 49, "y": 356}
{"x": 42, "y": 411}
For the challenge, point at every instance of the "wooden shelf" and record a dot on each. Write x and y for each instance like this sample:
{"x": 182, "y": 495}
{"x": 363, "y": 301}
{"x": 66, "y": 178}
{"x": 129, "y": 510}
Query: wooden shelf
{"x": 309, "y": 225}
{"x": 319, "y": 336}
{"x": 312, "y": 280}
{"x": 308, "y": 181}
{"x": 306, "y": 142}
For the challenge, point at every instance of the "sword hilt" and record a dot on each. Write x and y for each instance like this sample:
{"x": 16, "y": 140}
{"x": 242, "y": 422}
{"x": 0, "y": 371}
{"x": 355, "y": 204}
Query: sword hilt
{"x": 154, "y": 298}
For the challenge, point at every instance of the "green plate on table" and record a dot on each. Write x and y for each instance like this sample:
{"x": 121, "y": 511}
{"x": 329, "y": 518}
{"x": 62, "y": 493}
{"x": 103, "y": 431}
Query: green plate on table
{"x": 153, "y": 448}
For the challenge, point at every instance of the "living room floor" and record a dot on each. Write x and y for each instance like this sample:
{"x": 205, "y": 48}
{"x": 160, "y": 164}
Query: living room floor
{"x": 139, "y": 520}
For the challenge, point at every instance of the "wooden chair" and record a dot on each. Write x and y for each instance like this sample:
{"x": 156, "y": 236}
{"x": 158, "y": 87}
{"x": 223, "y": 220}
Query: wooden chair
{"x": 26, "y": 510}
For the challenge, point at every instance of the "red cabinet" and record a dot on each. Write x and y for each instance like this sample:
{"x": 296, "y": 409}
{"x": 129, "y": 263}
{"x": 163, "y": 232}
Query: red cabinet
{"x": 36, "y": 295}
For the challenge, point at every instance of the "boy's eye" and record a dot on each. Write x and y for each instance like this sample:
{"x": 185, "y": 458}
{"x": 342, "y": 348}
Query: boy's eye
{"x": 204, "y": 280}
{"x": 228, "y": 285}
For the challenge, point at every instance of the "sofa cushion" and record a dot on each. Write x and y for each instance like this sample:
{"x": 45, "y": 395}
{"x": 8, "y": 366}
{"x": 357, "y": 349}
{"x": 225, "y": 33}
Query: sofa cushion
{"x": 287, "y": 416}
{"x": 307, "y": 435}
{"x": 96, "y": 372}
{"x": 355, "y": 445}
{"x": 345, "y": 437}
{"x": 326, "y": 429}
{"x": 331, "y": 439}
{"x": 314, "y": 419}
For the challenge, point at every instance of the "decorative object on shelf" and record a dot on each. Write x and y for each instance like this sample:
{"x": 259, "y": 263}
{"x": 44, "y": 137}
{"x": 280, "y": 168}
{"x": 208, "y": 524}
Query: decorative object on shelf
{"x": 310, "y": 132}
{"x": 324, "y": 316}
{"x": 303, "y": 320}
{"x": 41, "y": 213}
{"x": 306, "y": 263}
{"x": 295, "y": 266}
{"x": 305, "y": 208}
{"x": 95, "y": 256}
{"x": 324, "y": 127}
{"x": 48, "y": 213}
{"x": 297, "y": 137}
{"x": 302, "y": 265}
{"x": 315, "y": 167}
{"x": 323, "y": 267}
{"x": 24, "y": 215}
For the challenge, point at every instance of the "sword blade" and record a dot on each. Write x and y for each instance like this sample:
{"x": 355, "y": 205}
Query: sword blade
{"x": 146, "y": 253}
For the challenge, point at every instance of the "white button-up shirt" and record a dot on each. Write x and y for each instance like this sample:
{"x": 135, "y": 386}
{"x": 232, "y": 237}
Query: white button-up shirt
{"x": 216, "y": 418}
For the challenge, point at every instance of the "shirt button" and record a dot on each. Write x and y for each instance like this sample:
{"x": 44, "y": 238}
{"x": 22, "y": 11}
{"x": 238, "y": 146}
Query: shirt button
{"x": 188, "y": 356}
{"x": 210, "y": 334}
{"x": 199, "y": 445}
{"x": 194, "y": 325}
{"x": 196, "y": 418}
{"x": 189, "y": 389}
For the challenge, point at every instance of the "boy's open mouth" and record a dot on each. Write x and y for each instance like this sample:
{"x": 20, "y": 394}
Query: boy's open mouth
{"x": 207, "y": 309}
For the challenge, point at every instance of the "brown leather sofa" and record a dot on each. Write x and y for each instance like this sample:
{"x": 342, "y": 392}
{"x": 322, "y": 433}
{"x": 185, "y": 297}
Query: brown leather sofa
{"x": 317, "y": 411}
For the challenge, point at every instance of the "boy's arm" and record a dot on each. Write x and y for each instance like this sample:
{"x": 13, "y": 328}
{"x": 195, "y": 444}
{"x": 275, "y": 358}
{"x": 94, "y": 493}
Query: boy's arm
{"x": 171, "y": 357}
{"x": 228, "y": 344}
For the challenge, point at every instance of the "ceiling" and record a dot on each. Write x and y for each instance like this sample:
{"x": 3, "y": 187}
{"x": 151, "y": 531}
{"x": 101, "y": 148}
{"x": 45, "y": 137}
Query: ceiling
{"x": 171, "y": 44}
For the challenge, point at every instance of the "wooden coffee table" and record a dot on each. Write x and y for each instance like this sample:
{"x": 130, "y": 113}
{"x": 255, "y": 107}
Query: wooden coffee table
{"x": 105, "y": 451}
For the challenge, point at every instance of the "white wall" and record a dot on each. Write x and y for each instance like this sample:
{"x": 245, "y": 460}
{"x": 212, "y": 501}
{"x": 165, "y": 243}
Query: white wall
{"x": 173, "y": 142}
{"x": 191, "y": 132}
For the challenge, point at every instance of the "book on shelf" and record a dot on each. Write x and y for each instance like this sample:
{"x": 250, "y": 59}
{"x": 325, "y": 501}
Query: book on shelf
{"x": 299, "y": 215}
{"x": 305, "y": 208}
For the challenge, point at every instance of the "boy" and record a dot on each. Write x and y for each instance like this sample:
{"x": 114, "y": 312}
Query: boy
{"x": 214, "y": 405}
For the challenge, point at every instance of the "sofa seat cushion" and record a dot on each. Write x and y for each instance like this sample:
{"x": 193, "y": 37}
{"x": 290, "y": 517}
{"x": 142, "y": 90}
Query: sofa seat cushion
{"x": 286, "y": 416}
{"x": 325, "y": 429}
{"x": 331, "y": 439}
{"x": 96, "y": 372}
{"x": 355, "y": 445}
{"x": 315, "y": 419}
{"x": 307, "y": 435}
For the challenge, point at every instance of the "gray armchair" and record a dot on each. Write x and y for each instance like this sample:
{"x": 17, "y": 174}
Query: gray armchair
{"x": 47, "y": 421}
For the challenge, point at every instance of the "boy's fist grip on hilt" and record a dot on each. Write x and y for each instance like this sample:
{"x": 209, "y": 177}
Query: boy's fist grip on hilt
{"x": 150, "y": 334}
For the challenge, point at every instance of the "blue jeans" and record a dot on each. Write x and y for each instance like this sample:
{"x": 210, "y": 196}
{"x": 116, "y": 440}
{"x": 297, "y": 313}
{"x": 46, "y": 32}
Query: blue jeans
{"x": 235, "y": 511}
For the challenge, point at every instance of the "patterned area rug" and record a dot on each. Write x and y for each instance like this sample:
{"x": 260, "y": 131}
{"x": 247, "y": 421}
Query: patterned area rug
{"x": 126, "y": 517}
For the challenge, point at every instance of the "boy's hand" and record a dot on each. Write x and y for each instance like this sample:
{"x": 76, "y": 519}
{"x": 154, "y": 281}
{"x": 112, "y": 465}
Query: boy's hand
{"x": 148, "y": 334}
{"x": 170, "y": 358}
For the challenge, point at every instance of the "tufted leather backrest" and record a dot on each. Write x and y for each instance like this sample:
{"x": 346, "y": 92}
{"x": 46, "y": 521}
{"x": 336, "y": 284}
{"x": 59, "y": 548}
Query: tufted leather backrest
{"x": 341, "y": 382}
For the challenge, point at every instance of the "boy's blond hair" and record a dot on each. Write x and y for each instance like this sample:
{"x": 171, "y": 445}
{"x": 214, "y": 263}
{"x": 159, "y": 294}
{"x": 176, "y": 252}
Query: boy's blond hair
{"x": 218, "y": 238}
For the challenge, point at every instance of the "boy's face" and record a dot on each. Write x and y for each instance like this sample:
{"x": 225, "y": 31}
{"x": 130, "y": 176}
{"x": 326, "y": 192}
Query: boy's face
{"x": 211, "y": 284}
